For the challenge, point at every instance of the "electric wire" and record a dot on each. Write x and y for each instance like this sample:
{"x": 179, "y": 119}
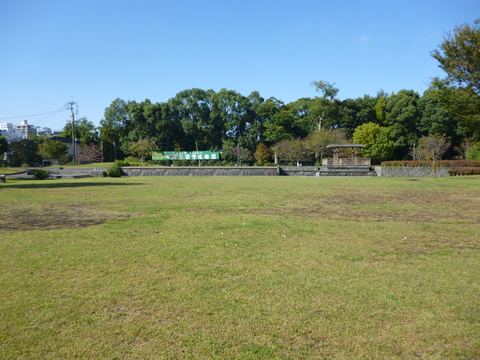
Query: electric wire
{"x": 29, "y": 116}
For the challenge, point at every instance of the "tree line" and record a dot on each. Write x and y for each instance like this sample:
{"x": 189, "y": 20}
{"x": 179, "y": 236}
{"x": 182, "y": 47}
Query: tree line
{"x": 391, "y": 125}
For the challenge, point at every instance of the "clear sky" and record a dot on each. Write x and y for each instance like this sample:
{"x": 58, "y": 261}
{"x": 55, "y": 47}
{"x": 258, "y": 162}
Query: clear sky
{"x": 94, "y": 51}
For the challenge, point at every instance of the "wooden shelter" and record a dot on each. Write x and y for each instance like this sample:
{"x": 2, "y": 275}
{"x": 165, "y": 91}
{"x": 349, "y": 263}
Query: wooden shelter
{"x": 337, "y": 160}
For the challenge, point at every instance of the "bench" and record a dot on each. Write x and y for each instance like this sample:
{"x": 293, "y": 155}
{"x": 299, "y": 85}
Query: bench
{"x": 3, "y": 178}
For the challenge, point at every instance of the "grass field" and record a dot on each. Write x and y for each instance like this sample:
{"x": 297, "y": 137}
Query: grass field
{"x": 240, "y": 268}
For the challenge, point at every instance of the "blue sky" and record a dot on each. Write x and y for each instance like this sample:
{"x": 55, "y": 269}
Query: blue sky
{"x": 94, "y": 51}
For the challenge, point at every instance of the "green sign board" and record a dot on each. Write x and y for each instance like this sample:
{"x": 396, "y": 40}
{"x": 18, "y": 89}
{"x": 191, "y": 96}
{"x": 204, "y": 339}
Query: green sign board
{"x": 186, "y": 155}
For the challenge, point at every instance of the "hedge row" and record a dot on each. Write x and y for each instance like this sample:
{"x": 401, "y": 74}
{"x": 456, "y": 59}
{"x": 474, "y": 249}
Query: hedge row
{"x": 464, "y": 171}
{"x": 441, "y": 163}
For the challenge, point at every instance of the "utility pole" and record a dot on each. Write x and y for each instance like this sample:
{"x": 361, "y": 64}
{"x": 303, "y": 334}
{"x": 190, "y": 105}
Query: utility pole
{"x": 69, "y": 105}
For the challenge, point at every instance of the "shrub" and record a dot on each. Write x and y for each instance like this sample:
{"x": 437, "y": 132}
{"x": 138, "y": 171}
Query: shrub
{"x": 41, "y": 174}
{"x": 159, "y": 162}
{"x": 114, "y": 171}
{"x": 464, "y": 171}
{"x": 120, "y": 163}
{"x": 130, "y": 161}
{"x": 441, "y": 163}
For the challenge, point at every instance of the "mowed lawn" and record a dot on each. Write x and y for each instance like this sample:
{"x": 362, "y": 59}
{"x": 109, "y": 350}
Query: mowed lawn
{"x": 240, "y": 268}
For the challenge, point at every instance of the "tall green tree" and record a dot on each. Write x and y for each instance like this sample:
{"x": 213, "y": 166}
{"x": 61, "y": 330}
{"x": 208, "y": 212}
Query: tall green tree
{"x": 357, "y": 112}
{"x": 255, "y": 129}
{"x": 459, "y": 90}
{"x": 24, "y": 152}
{"x": 323, "y": 108}
{"x": 139, "y": 124}
{"x": 85, "y": 131}
{"x": 380, "y": 110}
{"x": 193, "y": 108}
{"x": 403, "y": 115}
{"x": 232, "y": 114}
{"x": 435, "y": 119}
{"x": 111, "y": 128}
{"x": 280, "y": 125}
{"x": 378, "y": 142}
{"x": 168, "y": 133}
{"x": 264, "y": 110}
{"x": 52, "y": 149}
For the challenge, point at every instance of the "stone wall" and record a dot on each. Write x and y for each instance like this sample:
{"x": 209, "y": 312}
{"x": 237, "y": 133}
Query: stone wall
{"x": 200, "y": 171}
{"x": 244, "y": 171}
{"x": 299, "y": 170}
{"x": 410, "y": 171}
{"x": 327, "y": 171}
{"x": 69, "y": 172}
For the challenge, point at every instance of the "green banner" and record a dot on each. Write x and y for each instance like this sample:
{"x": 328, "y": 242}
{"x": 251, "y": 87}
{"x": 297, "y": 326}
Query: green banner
{"x": 186, "y": 155}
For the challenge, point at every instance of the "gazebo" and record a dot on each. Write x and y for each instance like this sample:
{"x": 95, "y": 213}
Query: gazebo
{"x": 345, "y": 161}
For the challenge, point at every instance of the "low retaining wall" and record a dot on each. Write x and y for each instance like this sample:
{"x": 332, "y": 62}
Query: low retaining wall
{"x": 67, "y": 172}
{"x": 243, "y": 171}
{"x": 410, "y": 171}
{"x": 327, "y": 171}
{"x": 298, "y": 170}
{"x": 200, "y": 171}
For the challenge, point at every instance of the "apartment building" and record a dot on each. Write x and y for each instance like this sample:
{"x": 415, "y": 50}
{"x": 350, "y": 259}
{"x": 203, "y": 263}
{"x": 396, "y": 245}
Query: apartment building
{"x": 26, "y": 129}
{"x": 8, "y": 131}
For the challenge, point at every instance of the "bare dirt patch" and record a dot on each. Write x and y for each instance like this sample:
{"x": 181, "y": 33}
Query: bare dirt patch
{"x": 418, "y": 207}
{"x": 51, "y": 217}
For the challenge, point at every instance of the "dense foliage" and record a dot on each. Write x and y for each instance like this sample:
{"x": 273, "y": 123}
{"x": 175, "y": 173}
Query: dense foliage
{"x": 24, "y": 153}
{"x": 459, "y": 90}
{"x": 206, "y": 120}
{"x": 51, "y": 149}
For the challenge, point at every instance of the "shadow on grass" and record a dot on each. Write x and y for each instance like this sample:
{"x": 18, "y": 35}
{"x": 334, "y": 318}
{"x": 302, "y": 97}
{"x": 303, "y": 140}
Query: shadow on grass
{"x": 55, "y": 184}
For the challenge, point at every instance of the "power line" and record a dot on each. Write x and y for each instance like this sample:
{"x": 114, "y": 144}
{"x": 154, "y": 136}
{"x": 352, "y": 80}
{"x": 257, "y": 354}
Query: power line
{"x": 28, "y": 116}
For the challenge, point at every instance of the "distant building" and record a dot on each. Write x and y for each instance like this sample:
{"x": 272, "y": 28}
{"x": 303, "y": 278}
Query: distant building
{"x": 8, "y": 131}
{"x": 26, "y": 129}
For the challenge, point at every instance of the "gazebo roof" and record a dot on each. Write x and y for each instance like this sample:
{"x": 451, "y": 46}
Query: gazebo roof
{"x": 353, "y": 146}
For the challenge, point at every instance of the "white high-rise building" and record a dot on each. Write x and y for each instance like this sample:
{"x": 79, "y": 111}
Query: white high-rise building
{"x": 8, "y": 131}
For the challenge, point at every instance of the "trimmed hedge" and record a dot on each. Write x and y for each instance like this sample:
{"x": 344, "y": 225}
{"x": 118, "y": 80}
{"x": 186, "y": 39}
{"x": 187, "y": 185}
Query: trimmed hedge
{"x": 464, "y": 171}
{"x": 441, "y": 163}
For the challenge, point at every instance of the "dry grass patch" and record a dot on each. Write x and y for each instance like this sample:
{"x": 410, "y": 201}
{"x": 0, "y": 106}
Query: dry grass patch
{"x": 52, "y": 217}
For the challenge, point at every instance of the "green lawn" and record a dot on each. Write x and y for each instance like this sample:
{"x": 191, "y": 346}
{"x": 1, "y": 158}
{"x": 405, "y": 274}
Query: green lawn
{"x": 240, "y": 268}
{"x": 6, "y": 171}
